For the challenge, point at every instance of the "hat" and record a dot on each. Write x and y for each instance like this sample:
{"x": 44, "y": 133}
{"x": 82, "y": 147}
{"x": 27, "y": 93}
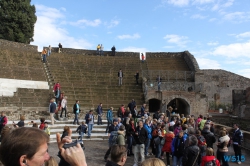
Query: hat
{"x": 115, "y": 120}
{"x": 122, "y": 128}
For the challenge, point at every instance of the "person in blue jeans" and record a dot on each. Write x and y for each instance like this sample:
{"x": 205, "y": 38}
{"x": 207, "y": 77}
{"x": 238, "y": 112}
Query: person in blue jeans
{"x": 76, "y": 110}
{"x": 177, "y": 148}
{"x": 149, "y": 130}
{"x": 109, "y": 118}
{"x": 82, "y": 129}
{"x": 89, "y": 118}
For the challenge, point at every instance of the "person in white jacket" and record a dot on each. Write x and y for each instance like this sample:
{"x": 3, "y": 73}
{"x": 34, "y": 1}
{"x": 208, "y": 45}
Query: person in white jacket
{"x": 64, "y": 106}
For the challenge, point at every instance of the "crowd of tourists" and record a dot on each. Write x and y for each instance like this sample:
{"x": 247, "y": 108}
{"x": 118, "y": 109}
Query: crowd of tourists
{"x": 189, "y": 141}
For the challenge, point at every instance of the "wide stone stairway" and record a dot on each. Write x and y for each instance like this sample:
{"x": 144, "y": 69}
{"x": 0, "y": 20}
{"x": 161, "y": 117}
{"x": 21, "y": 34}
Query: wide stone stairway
{"x": 94, "y": 79}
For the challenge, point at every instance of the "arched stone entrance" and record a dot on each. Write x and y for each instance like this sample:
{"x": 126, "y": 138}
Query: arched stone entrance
{"x": 182, "y": 106}
{"x": 154, "y": 105}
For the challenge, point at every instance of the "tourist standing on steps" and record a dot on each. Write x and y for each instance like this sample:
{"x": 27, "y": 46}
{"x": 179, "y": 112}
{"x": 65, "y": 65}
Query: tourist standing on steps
{"x": 99, "y": 114}
{"x": 131, "y": 105}
{"x": 158, "y": 80}
{"x": 55, "y": 87}
{"x": 113, "y": 51}
{"x": 57, "y": 96}
{"x": 237, "y": 138}
{"x": 109, "y": 118}
{"x": 49, "y": 50}
{"x": 137, "y": 77}
{"x": 89, "y": 118}
{"x": 3, "y": 121}
{"x": 76, "y": 110}
{"x": 52, "y": 109}
{"x": 98, "y": 49}
{"x": 64, "y": 106}
{"x": 59, "y": 48}
{"x": 142, "y": 57}
{"x": 101, "y": 50}
{"x": 120, "y": 76}
{"x": 44, "y": 53}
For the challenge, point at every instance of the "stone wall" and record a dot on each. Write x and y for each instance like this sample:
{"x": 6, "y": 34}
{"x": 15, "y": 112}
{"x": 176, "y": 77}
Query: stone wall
{"x": 218, "y": 85}
{"x": 189, "y": 58}
{"x": 191, "y": 61}
{"x": 11, "y": 44}
{"x": 93, "y": 52}
{"x": 197, "y": 104}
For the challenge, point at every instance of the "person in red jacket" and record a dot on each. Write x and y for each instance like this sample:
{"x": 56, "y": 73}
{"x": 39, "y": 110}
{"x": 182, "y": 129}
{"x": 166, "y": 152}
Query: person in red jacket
{"x": 209, "y": 158}
{"x": 42, "y": 123}
{"x": 167, "y": 146}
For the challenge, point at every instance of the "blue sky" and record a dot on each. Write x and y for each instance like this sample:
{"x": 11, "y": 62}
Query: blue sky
{"x": 216, "y": 32}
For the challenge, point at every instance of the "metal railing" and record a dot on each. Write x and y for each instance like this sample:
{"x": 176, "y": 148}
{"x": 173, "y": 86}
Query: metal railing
{"x": 171, "y": 86}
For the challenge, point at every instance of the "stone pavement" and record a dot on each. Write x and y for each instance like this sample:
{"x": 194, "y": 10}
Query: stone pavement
{"x": 95, "y": 151}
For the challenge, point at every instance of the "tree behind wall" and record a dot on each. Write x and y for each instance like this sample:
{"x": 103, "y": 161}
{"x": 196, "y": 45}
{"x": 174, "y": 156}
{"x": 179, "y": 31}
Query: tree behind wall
{"x": 17, "y": 20}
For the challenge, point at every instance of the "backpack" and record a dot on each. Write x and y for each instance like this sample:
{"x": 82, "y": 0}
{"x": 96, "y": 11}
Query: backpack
{"x": 113, "y": 138}
{"x": 211, "y": 163}
{"x": 202, "y": 143}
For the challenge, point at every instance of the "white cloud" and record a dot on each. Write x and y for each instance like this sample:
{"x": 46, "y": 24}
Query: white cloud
{"x": 213, "y": 43}
{"x": 176, "y": 39}
{"x": 84, "y": 22}
{"x": 113, "y": 23}
{"x": 205, "y": 63}
{"x": 237, "y": 17}
{"x": 233, "y": 50}
{"x": 174, "y": 2}
{"x": 245, "y": 72}
{"x": 48, "y": 31}
{"x": 228, "y": 3}
{"x": 202, "y": 1}
{"x": 198, "y": 16}
{"x": 243, "y": 35}
{"x": 134, "y": 36}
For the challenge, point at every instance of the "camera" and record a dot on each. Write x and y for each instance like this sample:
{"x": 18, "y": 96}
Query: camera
{"x": 74, "y": 143}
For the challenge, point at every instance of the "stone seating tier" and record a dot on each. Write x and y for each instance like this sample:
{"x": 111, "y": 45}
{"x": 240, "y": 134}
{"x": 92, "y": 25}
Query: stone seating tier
{"x": 93, "y": 79}
{"x": 21, "y": 64}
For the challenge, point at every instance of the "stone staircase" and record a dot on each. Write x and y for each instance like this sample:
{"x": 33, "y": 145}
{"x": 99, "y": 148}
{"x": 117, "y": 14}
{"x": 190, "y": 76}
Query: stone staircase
{"x": 98, "y": 132}
{"x": 93, "y": 79}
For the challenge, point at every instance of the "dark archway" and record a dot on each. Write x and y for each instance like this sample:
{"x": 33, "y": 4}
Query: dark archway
{"x": 182, "y": 106}
{"x": 154, "y": 105}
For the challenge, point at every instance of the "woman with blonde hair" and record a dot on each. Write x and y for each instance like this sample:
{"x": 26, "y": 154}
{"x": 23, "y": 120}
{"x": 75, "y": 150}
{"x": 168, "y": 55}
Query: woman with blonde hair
{"x": 153, "y": 162}
{"x": 209, "y": 158}
{"x": 222, "y": 147}
{"x": 51, "y": 162}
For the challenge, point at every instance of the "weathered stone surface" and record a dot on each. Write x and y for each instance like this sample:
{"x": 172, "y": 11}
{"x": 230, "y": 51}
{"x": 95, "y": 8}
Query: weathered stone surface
{"x": 11, "y": 44}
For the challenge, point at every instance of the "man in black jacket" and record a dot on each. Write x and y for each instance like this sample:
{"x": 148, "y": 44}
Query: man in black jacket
{"x": 237, "y": 138}
{"x": 140, "y": 136}
{"x": 191, "y": 153}
{"x": 209, "y": 136}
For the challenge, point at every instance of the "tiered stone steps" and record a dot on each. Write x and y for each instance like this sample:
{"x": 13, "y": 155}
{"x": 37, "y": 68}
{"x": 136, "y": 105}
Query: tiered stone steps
{"x": 98, "y": 132}
{"x": 93, "y": 79}
{"x": 19, "y": 64}
{"x": 27, "y": 98}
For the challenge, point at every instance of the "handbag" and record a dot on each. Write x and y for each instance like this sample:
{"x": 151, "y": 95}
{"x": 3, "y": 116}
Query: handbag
{"x": 157, "y": 140}
{"x": 163, "y": 140}
{"x": 196, "y": 157}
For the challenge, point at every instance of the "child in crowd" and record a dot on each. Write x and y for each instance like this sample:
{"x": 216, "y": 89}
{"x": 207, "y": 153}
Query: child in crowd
{"x": 46, "y": 128}
{"x": 42, "y": 120}
{"x": 82, "y": 129}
